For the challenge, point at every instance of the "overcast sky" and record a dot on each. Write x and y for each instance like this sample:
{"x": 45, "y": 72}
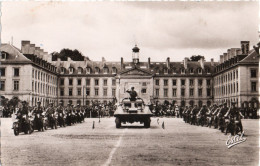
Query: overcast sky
{"x": 111, "y": 29}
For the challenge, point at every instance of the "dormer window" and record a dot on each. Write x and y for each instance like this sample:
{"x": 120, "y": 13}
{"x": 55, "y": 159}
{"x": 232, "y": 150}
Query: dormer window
{"x": 3, "y": 55}
{"x": 63, "y": 70}
{"x": 207, "y": 71}
{"x": 191, "y": 71}
{"x": 182, "y": 71}
{"x": 71, "y": 70}
{"x": 105, "y": 70}
{"x": 157, "y": 71}
{"x": 97, "y": 70}
{"x": 199, "y": 71}
{"x": 174, "y": 70}
{"x": 80, "y": 70}
{"x": 114, "y": 70}
{"x": 165, "y": 71}
{"x": 88, "y": 70}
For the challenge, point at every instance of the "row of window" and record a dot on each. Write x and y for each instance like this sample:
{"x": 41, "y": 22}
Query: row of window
{"x": 79, "y": 92}
{"x": 183, "y": 82}
{"x": 183, "y": 71}
{"x": 43, "y": 88}
{"x": 16, "y": 72}
{"x": 233, "y": 75}
{"x": 79, "y": 82}
{"x": 15, "y": 85}
{"x": 88, "y": 70}
{"x": 233, "y": 88}
{"x": 42, "y": 76}
{"x": 174, "y": 92}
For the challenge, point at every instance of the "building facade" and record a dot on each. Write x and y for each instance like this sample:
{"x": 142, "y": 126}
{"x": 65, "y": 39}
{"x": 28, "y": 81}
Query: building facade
{"x": 234, "y": 78}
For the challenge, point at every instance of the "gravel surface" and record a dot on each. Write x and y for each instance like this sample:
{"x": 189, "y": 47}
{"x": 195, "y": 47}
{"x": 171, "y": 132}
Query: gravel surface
{"x": 177, "y": 144}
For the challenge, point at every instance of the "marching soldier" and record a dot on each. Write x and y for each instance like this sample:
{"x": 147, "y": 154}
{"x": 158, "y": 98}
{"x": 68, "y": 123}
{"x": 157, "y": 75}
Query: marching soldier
{"x": 221, "y": 113}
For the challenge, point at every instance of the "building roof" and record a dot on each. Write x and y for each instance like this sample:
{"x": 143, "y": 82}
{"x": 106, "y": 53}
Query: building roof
{"x": 252, "y": 57}
{"x": 13, "y": 54}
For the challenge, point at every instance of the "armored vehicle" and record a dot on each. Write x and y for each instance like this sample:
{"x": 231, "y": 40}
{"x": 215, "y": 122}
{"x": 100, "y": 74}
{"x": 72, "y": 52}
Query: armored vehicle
{"x": 133, "y": 111}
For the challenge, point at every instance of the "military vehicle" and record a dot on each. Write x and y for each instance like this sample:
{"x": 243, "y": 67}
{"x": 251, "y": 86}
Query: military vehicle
{"x": 133, "y": 111}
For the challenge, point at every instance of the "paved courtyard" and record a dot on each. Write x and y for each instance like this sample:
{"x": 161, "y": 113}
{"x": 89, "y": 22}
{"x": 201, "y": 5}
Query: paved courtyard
{"x": 177, "y": 144}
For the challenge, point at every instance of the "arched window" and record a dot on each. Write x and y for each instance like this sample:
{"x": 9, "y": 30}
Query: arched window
{"x": 157, "y": 71}
{"x": 71, "y": 70}
{"x": 88, "y": 70}
{"x": 174, "y": 70}
{"x": 97, "y": 70}
{"x": 63, "y": 70}
{"x": 191, "y": 71}
{"x": 70, "y": 101}
{"x": 114, "y": 70}
{"x": 80, "y": 70}
{"x": 105, "y": 70}
{"x": 199, "y": 70}
{"x": 182, "y": 70}
{"x": 165, "y": 71}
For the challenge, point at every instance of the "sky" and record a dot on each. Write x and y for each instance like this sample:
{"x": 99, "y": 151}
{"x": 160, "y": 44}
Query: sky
{"x": 111, "y": 29}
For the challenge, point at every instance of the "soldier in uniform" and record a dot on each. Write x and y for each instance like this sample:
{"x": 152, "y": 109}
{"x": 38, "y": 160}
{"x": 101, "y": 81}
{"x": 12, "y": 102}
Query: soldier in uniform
{"x": 21, "y": 112}
{"x": 202, "y": 114}
{"x": 234, "y": 115}
{"x": 50, "y": 111}
{"x": 221, "y": 118}
{"x": 69, "y": 114}
{"x": 192, "y": 115}
{"x": 60, "y": 112}
{"x": 38, "y": 120}
{"x": 132, "y": 93}
{"x": 215, "y": 117}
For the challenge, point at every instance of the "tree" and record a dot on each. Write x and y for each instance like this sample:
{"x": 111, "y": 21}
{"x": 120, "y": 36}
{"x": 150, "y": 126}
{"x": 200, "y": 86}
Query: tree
{"x": 196, "y": 58}
{"x": 75, "y": 55}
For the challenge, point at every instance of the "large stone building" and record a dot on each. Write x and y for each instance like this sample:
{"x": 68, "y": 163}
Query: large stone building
{"x": 234, "y": 78}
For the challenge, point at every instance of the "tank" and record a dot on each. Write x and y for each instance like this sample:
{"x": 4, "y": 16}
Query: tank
{"x": 133, "y": 111}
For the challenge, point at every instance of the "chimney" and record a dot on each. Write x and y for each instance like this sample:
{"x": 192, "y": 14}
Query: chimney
{"x": 149, "y": 63}
{"x": 103, "y": 62}
{"x": 221, "y": 57}
{"x": 45, "y": 56}
{"x": 41, "y": 53}
{"x": 212, "y": 62}
{"x": 228, "y": 54}
{"x": 233, "y": 52}
{"x": 238, "y": 52}
{"x": 122, "y": 63}
{"x": 69, "y": 59}
{"x": 32, "y": 49}
{"x": 201, "y": 61}
{"x": 25, "y": 47}
{"x": 168, "y": 62}
{"x": 185, "y": 62}
{"x": 225, "y": 56}
{"x": 245, "y": 47}
{"x": 37, "y": 51}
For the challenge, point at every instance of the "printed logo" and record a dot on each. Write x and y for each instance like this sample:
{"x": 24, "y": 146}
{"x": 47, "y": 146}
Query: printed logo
{"x": 232, "y": 141}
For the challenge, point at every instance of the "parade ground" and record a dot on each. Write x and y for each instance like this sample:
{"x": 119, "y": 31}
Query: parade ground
{"x": 177, "y": 144}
